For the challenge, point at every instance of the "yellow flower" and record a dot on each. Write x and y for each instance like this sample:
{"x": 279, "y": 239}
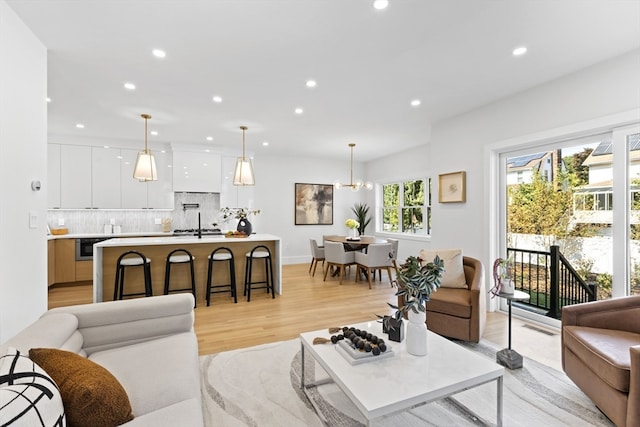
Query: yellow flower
{"x": 352, "y": 223}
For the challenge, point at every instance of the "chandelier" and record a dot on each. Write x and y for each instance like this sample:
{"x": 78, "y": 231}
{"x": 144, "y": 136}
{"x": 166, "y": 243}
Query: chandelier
{"x": 244, "y": 169}
{"x": 145, "y": 169}
{"x": 358, "y": 184}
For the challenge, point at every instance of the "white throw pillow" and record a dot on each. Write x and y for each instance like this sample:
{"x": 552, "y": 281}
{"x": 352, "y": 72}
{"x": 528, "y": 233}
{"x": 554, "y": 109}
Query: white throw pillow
{"x": 28, "y": 396}
{"x": 453, "y": 276}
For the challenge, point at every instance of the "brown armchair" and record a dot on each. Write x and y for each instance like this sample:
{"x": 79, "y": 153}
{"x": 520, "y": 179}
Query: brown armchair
{"x": 601, "y": 355}
{"x": 458, "y": 312}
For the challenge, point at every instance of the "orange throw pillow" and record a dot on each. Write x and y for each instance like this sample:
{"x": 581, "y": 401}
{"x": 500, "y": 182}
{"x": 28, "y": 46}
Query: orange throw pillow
{"x": 91, "y": 395}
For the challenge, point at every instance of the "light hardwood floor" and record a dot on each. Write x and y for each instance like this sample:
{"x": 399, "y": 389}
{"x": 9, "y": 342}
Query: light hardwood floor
{"x": 307, "y": 304}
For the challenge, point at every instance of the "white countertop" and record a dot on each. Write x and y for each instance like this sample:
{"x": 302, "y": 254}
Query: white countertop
{"x": 107, "y": 236}
{"x": 172, "y": 240}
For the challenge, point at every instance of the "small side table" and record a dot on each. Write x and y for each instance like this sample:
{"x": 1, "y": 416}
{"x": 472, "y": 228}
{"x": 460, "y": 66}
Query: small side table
{"x": 509, "y": 357}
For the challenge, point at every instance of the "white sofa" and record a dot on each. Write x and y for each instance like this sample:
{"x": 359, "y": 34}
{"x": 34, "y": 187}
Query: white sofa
{"x": 148, "y": 344}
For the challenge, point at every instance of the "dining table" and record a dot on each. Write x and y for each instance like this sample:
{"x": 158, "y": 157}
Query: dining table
{"x": 353, "y": 244}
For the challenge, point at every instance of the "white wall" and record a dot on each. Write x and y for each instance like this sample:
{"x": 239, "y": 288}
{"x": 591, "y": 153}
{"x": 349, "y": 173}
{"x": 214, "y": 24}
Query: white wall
{"x": 274, "y": 196}
{"x": 23, "y": 154}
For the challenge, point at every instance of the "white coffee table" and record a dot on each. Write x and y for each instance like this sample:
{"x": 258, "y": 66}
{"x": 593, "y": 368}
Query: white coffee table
{"x": 446, "y": 369}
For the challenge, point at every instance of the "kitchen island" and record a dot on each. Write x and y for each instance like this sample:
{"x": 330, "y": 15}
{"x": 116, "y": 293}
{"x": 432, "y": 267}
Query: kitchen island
{"x": 105, "y": 256}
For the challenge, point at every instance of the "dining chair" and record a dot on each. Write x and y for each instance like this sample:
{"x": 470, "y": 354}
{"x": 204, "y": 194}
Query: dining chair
{"x": 393, "y": 254}
{"x": 376, "y": 257}
{"x": 317, "y": 254}
{"x": 336, "y": 256}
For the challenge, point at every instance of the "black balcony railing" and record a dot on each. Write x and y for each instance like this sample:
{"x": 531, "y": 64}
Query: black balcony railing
{"x": 550, "y": 280}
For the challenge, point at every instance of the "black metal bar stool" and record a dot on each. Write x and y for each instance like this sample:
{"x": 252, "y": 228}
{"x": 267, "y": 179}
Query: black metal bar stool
{"x": 179, "y": 256}
{"x": 259, "y": 252}
{"x": 222, "y": 254}
{"x": 132, "y": 259}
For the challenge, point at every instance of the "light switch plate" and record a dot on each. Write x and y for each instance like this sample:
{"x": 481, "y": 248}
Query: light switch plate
{"x": 33, "y": 219}
{"x": 158, "y": 221}
{"x": 60, "y": 221}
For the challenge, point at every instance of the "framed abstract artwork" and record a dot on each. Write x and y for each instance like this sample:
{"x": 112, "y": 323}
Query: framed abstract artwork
{"x": 452, "y": 187}
{"x": 313, "y": 204}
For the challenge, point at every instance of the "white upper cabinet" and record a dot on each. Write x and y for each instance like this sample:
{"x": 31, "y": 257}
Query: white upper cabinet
{"x": 75, "y": 177}
{"x": 197, "y": 172}
{"x": 160, "y": 192}
{"x": 105, "y": 178}
{"x": 53, "y": 176}
{"x": 84, "y": 177}
{"x": 133, "y": 192}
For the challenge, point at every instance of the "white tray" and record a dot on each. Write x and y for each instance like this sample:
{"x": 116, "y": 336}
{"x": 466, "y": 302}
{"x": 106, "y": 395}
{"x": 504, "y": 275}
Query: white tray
{"x": 356, "y": 357}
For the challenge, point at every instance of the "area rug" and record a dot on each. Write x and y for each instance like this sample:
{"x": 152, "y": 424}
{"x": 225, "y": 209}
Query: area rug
{"x": 260, "y": 386}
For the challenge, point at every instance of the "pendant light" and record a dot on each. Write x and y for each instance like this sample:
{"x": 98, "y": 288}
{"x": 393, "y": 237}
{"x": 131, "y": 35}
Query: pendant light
{"x": 244, "y": 168}
{"x": 355, "y": 186}
{"x": 145, "y": 169}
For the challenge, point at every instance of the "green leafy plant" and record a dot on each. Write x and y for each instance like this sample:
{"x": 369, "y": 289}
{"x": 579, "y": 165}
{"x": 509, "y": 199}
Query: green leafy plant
{"x": 416, "y": 282}
{"x": 361, "y": 211}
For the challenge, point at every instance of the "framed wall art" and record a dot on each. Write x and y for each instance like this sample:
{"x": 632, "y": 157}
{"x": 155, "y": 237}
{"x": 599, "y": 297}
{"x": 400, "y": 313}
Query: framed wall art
{"x": 452, "y": 187}
{"x": 313, "y": 204}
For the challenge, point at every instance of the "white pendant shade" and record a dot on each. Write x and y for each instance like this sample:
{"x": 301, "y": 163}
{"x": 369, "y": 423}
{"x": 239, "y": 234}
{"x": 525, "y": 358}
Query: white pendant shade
{"x": 145, "y": 169}
{"x": 243, "y": 174}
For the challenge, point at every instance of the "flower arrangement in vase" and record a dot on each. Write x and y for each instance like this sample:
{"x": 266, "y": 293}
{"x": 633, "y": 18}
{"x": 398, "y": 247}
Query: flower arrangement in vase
{"x": 353, "y": 225}
{"x": 241, "y": 214}
{"x": 416, "y": 282}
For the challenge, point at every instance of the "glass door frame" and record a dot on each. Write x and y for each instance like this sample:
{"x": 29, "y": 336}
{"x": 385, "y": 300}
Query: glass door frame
{"x": 619, "y": 125}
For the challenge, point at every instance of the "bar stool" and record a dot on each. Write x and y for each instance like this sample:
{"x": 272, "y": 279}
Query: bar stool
{"x": 179, "y": 256}
{"x": 222, "y": 254}
{"x": 132, "y": 259}
{"x": 258, "y": 252}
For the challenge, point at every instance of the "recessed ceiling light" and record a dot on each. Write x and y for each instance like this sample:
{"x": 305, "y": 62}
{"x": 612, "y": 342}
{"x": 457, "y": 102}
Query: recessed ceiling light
{"x": 519, "y": 51}
{"x": 380, "y": 4}
{"x": 48, "y": 99}
{"x": 209, "y": 138}
{"x": 106, "y": 146}
{"x": 154, "y": 132}
{"x": 217, "y": 98}
{"x": 159, "y": 53}
{"x": 415, "y": 103}
{"x": 265, "y": 143}
{"x": 311, "y": 83}
{"x": 298, "y": 111}
{"x": 129, "y": 86}
{"x": 163, "y": 151}
{"x": 119, "y": 157}
{"x": 205, "y": 165}
{"x": 207, "y": 151}
{"x": 169, "y": 166}
{"x": 79, "y": 125}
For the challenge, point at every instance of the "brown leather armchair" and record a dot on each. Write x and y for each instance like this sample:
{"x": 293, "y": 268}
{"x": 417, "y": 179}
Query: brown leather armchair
{"x": 459, "y": 313}
{"x": 601, "y": 355}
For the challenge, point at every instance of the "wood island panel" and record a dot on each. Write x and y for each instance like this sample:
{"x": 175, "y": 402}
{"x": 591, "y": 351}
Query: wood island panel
{"x": 180, "y": 277}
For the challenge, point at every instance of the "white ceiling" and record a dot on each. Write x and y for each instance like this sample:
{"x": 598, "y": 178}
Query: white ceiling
{"x": 453, "y": 55}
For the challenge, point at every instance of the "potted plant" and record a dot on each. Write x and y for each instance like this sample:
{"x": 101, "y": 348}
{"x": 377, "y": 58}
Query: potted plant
{"x": 361, "y": 211}
{"x": 416, "y": 282}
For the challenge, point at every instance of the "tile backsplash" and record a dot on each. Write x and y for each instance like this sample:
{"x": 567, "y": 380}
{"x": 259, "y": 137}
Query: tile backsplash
{"x": 90, "y": 221}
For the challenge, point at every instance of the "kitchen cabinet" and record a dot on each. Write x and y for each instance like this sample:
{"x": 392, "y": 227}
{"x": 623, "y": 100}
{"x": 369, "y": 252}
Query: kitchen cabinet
{"x": 198, "y": 172}
{"x": 65, "y": 260}
{"x": 133, "y": 193}
{"x": 160, "y": 192}
{"x": 75, "y": 177}
{"x": 82, "y": 177}
{"x": 84, "y": 270}
{"x": 51, "y": 262}
{"x": 53, "y": 176}
{"x": 105, "y": 178}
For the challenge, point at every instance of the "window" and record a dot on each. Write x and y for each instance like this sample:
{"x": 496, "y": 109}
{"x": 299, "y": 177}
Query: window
{"x": 406, "y": 207}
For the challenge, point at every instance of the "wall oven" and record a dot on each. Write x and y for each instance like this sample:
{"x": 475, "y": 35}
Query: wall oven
{"x": 84, "y": 247}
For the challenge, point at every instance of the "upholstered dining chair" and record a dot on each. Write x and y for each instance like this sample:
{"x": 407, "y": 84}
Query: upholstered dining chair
{"x": 317, "y": 254}
{"x": 335, "y": 255}
{"x": 376, "y": 258}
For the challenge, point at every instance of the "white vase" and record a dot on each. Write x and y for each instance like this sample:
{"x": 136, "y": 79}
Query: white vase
{"x": 507, "y": 286}
{"x": 416, "y": 337}
{"x": 355, "y": 233}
